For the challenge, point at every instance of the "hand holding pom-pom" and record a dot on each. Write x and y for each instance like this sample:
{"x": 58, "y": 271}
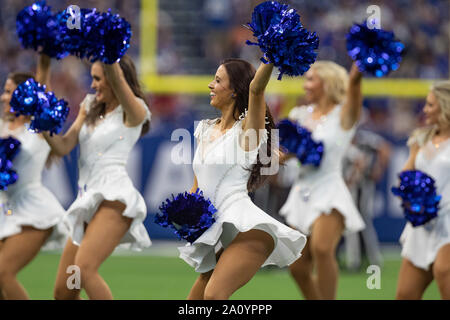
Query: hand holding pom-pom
{"x": 282, "y": 38}
{"x": 189, "y": 214}
{"x": 52, "y": 115}
{"x": 46, "y": 111}
{"x": 102, "y": 35}
{"x": 375, "y": 51}
{"x": 9, "y": 148}
{"x": 419, "y": 199}
{"x": 38, "y": 28}
{"x": 298, "y": 140}
{"x": 27, "y": 98}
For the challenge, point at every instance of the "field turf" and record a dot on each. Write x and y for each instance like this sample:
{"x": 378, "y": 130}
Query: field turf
{"x": 166, "y": 277}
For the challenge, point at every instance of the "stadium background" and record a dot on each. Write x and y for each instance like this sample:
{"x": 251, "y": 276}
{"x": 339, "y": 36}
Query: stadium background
{"x": 177, "y": 46}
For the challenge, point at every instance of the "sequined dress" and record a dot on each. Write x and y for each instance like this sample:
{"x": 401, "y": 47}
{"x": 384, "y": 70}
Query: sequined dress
{"x": 421, "y": 244}
{"x": 104, "y": 151}
{"x": 318, "y": 191}
{"x": 28, "y": 202}
{"x": 221, "y": 170}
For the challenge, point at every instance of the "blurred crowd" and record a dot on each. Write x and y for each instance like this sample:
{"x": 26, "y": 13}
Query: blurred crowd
{"x": 195, "y": 35}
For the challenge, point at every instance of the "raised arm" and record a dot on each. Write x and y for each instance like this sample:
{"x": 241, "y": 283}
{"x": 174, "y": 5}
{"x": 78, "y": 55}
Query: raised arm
{"x": 43, "y": 70}
{"x": 256, "y": 103}
{"x": 62, "y": 144}
{"x": 351, "y": 109}
{"x": 134, "y": 112}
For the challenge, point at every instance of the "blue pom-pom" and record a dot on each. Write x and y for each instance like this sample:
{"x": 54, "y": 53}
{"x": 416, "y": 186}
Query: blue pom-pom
{"x": 283, "y": 39}
{"x": 298, "y": 140}
{"x": 48, "y": 113}
{"x": 189, "y": 214}
{"x": 9, "y": 148}
{"x": 27, "y": 98}
{"x": 375, "y": 51}
{"x": 52, "y": 115}
{"x": 38, "y": 28}
{"x": 102, "y": 35}
{"x": 419, "y": 199}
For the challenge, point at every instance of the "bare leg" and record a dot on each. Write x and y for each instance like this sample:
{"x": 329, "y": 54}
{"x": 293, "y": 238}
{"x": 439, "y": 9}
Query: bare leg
{"x": 302, "y": 272}
{"x": 198, "y": 289}
{"x": 441, "y": 271}
{"x": 412, "y": 281}
{"x": 17, "y": 251}
{"x": 239, "y": 263}
{"x": 61, "y": 291}
{"x": 103, "y": 234}
{"x": 325, "y": 236}
{"x": 1, "y": 292}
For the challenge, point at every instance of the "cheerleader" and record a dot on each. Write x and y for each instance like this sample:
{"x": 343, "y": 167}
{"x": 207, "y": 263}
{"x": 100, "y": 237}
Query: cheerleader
{"x": 29, "y": 212}
{"x": 227, "y": 166}
{"x": 426, "y": 248}
{"x": 108, "y": 210}
{"x": 319, "y": 203}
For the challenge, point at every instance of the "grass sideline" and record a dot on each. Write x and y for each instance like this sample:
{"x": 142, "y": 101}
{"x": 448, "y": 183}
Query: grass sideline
{"x": 163, "y": 277}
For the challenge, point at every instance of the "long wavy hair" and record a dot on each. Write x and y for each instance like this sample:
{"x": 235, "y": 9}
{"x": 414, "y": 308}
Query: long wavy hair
{"x": 129, "y": 71}
{"x": 441, "y": 90}
{"x": 241, "y": 74}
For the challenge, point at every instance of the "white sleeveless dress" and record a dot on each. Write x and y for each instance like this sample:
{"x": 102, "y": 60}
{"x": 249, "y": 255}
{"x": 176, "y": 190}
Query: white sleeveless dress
{"x": 104, "y": 151}
{"x": 318, "y": 191}
{"x": 28, "y": 202}
{"x": 421, "y": 244}
{"x": 221, "y": 170}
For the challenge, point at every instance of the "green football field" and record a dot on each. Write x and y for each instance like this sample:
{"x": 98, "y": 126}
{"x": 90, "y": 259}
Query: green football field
{"x": 161, "y": 275}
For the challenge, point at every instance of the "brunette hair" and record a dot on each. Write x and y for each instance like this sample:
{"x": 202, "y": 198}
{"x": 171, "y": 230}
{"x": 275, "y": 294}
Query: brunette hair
{"x": 241, "y": 74}
{"x": 129, "y": 71}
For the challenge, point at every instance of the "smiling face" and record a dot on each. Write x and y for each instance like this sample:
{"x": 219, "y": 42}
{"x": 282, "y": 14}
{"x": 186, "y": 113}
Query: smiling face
{"x": 103, "y": 92}
{"x": 313, "y": 86}
{"x": 221, "y": 93}
{"x": 5, "y": 98}
{"x": 431, "y": 109}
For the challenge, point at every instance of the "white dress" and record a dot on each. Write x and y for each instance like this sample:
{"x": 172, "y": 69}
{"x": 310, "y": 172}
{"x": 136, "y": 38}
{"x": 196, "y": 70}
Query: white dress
{"x": 27, "y": 202}
{"x": 221, "y": 170}
{"x": 318, "y": 191}
{"x": 104, "y": 151}
{"x": 421, "y": 244}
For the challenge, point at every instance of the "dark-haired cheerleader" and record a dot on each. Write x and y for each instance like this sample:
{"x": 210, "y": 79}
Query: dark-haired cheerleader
{"x": 30, "y": 214}
{"x": 108, "y": 209}
{"x": 227, "y": 166}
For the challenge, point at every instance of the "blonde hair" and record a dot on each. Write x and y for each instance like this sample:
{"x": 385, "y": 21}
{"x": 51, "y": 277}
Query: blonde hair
{"x": 334, "y": 78}
{"x": 441, "y": 90}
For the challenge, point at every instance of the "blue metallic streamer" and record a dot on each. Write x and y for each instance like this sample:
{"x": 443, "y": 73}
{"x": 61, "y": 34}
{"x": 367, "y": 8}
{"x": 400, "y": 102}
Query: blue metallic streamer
{"x": 46, "y": 111}
{"x": 103, "y": 36}
{"x": 189, "y": 214}
{"x": 9, "y": 148}
{"x": 38, "y": 28}
{"x": 420, "y": 202}
{"x": 298, "y": 140}
{"x": 374, "y": 51}
{"x": 282, "y": 38}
